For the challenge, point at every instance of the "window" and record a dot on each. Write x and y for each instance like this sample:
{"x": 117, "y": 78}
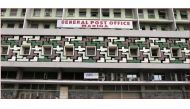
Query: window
{"x": 46, "y": 26}
{"x": 91, "y": 51}
{"x": 176, "y": 52}
{"x": 25, "y": 50}
{"x": 112, "y": 51}
{"x": 47, "y": 50}
{"x": 4, "y": 50}
{"x": 163, "y": 28}
{"x": 155, "y": 51}
{"x": 105, "y": 13}
{"x": 134, "y": 87}
{"x": 69, "y": 50}
{"x": 3, "y": 11}
{"x": 163, "y": 87}
{"x": 34, "y": 25}
{"x": 142, "y": 27}
{"x": 94, "y": 12}
{"x": 48, "y": 12}
{"x": 131, "y": 77}
{"x": 59, "y": 12}
{"x": 82, "y": 12}
{"x": 151, "y": 14}
{"x": 162, "y": 14}
{"x": 71, "y": 12}
{"x": 150, "y": 87}
{"x": 141, "y": 14}
{"x": 11, "y": 25}
{"x": 186, "y": 27}
{"x": 23, "y": 12}
{"x": 153, "y": 27}
{"x": 183, "y": 14}
{"x": 128, "y": 13}
{"x": 134, "y": 51}
{"x": 36, "y": 12}
{"x": 21, "y": 25}
{"x": 13, "y": 12}
{"x": 117, "y": 13}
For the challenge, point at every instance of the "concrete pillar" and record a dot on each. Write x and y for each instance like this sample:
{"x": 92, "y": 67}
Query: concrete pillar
{"x": 16, "y": 86}
{"x": 112, "y": 76}
{"x": 176, "y": 77}
{"x": 19, "y": 75}
{"x": 142, "y": 87}
{"x": 63, "y": 92}
{"x": 183, "y": 93}
{"x": 188, "y": 12}
{"x": 121, "y": 77}
{"x": 59, "y": 75}
{"x": 15, "y": 92}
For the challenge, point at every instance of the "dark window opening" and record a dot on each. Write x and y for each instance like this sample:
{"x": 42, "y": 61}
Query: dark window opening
{"x": 26, "y": 50}
{"x": 163, "y": 87}
{"x": 68, "y": 76}
{"x": 3, "y": 11}
{"x": 183, "y": 14}
{"x": 69, "y": 51}
{"x": 176, "y": 52}
{"x": 34, "y": 25}
{"x": 153, "y": 27}
{"x": 94, "y": 12}
{"x": 134, "y": 87}
{"x": 82, "y": 12}
{"x": 155, "y": 52}
{"x": 71, "y": 12}
{"x": 28, "y": 75}
{"x": 109, "y": 87}
{"x": 47, "y": 50}
{"x": 48, "y": 12}
{"x": 151, "y": 14}
{"x": 162, "y": 14}
{"x": 91, "y": 50}
{"x": 11, "y": 25}
{"x": 134, "y": 52}
{"x": 105, "y": 13}
{"x": 151, "y": 87}
{"x": 46, "y": 26}
{"x": 141, "y": 14}
{"x": 79, "y": 76}
{"x": 128, "y": 13}
{"x": 112, "y": 51}
{"x": 21, "y": 25}
{"x": 51, "y": 75}
{"x": 4, "y": 50}
{"x": 117, "y": 13}
{"x": 23, "y": 12}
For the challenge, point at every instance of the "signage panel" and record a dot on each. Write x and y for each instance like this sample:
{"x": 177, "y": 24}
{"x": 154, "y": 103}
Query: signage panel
{"x": 91, "y": 75}
{"x": 94, "y": 24}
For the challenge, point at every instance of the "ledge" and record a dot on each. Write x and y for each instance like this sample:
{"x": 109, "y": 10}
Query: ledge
{"x": 96, "y": 32}
{"x": 94, "y": 65}
{"x": 95, "y": 82}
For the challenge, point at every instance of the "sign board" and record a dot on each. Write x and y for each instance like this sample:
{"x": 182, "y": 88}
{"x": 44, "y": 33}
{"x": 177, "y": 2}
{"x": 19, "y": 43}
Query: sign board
{"x": 94, "y": 24}
{"x": 91, "y": 75}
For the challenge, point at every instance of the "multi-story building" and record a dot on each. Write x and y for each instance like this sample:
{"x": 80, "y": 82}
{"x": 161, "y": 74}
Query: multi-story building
{"x": 46, "y": 53}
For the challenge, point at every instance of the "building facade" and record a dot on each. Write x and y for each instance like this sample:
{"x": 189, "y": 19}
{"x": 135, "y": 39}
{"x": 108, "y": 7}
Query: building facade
{"x": 95, "y": 53}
